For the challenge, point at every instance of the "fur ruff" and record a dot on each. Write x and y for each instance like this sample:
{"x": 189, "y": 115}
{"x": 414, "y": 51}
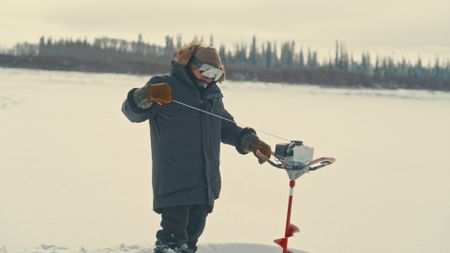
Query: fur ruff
{"x": 184, "y": 54}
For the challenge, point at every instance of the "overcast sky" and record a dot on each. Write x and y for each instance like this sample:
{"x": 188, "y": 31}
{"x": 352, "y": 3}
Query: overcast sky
{"x": 408, "y": 27}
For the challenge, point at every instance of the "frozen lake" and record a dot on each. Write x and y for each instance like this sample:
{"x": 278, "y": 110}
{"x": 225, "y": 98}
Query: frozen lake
{"x": 74, "y": 172}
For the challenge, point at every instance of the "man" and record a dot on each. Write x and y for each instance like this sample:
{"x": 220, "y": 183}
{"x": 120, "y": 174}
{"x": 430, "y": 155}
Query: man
{"x": 186, "y": 143}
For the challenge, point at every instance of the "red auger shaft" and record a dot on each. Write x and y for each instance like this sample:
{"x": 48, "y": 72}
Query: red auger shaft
{"x": 287, "y": 232}
{"x": 290, "y": 228}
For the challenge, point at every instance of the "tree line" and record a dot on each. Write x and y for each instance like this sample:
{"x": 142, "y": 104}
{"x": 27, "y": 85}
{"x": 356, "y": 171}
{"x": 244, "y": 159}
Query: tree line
{"x": 254, "y": 60}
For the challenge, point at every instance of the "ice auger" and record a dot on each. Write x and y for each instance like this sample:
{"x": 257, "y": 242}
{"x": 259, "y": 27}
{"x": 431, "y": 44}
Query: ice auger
{"x": 297, "y": 160}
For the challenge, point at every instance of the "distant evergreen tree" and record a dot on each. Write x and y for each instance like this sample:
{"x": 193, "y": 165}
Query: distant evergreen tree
{"x": 301, "y": 58}
{"x": 179, "y": 41}
{"x": 377, "y": 67}
{"x": 337, "y": 60}
{"x": 211, "y": 41}
{"x": 365, "y": 64}
{"x": 169, "y": 47}
{"x": 403, "y": 67}
{"x": 240, "y": 56}
{"x": 269, "y": 55}
{"x": 312, "y": 61}
{"x": 123, "y": 46}
{"x": 344, "y": 58}
{"x": 261, "y": 56}
{"x": 275, "y": 55}
{"x": 418, "y": 68}
{"x": 223, "y": 54}
{"x": 437, "y": 69}
{"x": 253, "y": 53}
{"x": 309, "y": 58}
{"x": 287, "y": 54}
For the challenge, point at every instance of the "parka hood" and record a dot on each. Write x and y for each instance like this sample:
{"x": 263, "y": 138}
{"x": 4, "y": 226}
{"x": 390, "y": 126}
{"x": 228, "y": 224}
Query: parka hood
{"x": 184, "y": 54}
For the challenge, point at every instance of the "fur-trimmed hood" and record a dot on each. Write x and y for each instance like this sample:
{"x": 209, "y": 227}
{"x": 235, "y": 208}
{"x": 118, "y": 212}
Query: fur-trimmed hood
{"x": 184, "y": 54}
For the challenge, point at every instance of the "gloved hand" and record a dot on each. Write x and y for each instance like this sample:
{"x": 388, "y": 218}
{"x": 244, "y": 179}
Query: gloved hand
{"x": 160, "y": 93}
{"x": 263, "y": 148}
{"x": 251, "y": 142}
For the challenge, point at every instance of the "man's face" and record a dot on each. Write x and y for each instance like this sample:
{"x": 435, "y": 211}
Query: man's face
{"x": 196, "y": 72}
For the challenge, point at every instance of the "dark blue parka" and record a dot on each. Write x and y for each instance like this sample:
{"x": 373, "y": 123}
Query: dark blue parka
{"x": 185, "y": 142}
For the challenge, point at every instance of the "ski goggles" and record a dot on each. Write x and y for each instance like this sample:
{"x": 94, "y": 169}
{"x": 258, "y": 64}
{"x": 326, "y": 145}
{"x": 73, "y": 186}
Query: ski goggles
{"x": 208, "y": 71}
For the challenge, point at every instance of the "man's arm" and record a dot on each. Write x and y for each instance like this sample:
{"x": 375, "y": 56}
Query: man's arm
{"x": 137, "y": 105}
{"x": 132, "y": 111}
{"x": 243, "y": 139}
{"x": 231, "y": 133}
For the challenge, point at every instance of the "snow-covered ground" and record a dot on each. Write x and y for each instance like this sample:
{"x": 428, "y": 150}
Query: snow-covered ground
{"x": 123, "y": 248}
{"x": 74, "y": 172}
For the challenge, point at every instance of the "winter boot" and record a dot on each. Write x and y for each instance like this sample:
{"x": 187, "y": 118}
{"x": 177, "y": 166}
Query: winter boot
{"x": 185, "y": 249}
{"x": 165, "y": 248}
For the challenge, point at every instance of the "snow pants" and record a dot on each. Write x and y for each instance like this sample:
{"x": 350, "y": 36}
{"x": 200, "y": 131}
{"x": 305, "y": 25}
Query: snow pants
{"x": 182, "y": 225}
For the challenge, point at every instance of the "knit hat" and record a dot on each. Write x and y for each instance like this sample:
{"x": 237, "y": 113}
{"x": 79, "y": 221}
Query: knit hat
{"x": 208, "y": 55}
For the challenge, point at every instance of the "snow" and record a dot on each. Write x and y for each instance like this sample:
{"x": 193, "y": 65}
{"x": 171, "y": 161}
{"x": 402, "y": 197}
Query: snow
{"x": 122, "y": 248}
{"x": 75, "y": 172}
{"x": 8, "y": 100}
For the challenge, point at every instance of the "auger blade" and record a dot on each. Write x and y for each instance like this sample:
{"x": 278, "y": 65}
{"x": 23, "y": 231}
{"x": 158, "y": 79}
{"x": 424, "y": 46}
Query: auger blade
{"x": 291, "y": 230}
{"x": 282, "y": 242}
